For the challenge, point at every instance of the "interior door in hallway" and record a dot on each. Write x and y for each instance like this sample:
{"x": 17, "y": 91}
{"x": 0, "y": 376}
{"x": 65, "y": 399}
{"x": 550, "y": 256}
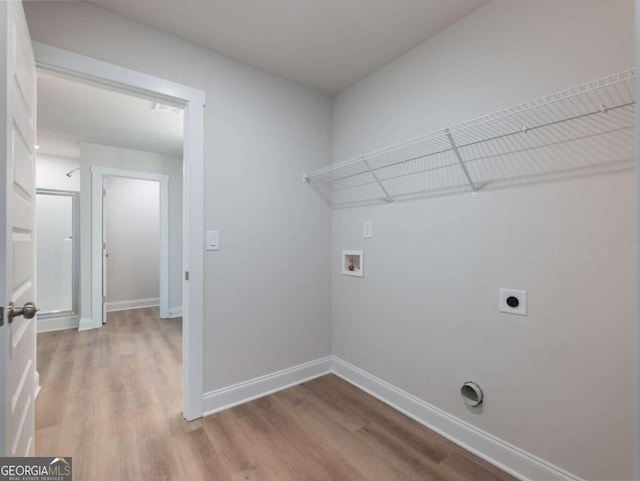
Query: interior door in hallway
{"x": 17, "y": 246}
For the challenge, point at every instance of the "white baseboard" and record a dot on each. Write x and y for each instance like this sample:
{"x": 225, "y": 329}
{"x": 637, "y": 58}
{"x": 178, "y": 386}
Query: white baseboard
{"x": 132, "y": 304}
{"x": 505, "y": 456}
{"x": 496, "y": 451}
{"x": 87, "y": 323}
{"x": 175, "y": 312}
{"x": 243, "y": 392}
{"x": 57, "y": 324}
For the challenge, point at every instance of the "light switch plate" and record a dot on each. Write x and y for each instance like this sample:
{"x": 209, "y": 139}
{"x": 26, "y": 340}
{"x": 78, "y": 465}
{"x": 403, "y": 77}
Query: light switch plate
{"x": 367, "y": 229}
{"x": 213, "y": 240}
{"x": 506, "y": 296}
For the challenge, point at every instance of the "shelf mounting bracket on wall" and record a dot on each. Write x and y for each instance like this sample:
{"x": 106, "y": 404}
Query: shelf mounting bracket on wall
{"x": 456, "y": 152}
{"x": 373, "y": 174}
{"x": 307, "y": 180}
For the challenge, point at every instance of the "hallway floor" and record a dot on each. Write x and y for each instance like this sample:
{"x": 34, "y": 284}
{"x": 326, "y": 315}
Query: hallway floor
{"x": 111, "y": 399}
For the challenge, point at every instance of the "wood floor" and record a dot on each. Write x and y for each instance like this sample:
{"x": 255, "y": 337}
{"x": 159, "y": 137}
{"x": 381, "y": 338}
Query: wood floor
{"x": 111, "y": 399}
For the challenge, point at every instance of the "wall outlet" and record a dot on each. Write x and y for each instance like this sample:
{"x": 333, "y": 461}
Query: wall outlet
{"x": 513, "y": 301}
{"x": 367, "y": 229}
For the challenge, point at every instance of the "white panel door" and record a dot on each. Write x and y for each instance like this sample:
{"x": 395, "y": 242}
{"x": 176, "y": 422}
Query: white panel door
{"x": 17, "y": 247}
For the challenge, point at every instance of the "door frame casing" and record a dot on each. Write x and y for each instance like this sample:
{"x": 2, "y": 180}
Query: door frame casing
{"x": 97, "y": 185}
{"x": 97, "y": 72}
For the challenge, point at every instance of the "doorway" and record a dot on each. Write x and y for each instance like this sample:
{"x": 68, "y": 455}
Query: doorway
{"x": 131, "y": 244}
{"x": 57, "y": 254}
{"x": 136, "y": 205}
{"x": 76, "y": 66}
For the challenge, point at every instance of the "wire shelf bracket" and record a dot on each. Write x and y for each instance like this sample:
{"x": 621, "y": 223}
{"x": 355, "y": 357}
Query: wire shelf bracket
{"x": 578, "y": 131}
{"x": 373, "y": 174}
{"x": 456, "y": 152}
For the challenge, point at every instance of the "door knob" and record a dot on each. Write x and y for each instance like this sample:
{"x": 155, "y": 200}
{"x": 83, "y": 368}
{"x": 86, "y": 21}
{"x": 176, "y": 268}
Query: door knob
{"x": 28, "y": 311}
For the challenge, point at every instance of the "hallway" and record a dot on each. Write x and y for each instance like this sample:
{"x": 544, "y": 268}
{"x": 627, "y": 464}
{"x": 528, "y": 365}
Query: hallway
{"x": 112, "y": 396}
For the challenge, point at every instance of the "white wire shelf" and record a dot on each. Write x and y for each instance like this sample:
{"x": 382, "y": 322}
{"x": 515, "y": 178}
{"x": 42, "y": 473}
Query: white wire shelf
{"x": 579, "y": 131}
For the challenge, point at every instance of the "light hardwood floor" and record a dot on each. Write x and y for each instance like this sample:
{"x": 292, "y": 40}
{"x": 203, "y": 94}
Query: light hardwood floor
{"x": 111, "y": 399}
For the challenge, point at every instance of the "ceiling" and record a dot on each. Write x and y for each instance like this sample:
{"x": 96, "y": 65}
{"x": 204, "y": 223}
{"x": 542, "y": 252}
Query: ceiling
{"x": 324, "y": 44}
{"x": 70, "y": 111}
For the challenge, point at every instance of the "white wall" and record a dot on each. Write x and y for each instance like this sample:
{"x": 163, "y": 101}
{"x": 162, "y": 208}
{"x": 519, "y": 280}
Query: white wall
{"x": 560, "y": 382}
{"x": 125, "y": 159}
{"x": 261, "y": 132}
{"x": 51, "y": 170}
{"x": 132, "y": 234}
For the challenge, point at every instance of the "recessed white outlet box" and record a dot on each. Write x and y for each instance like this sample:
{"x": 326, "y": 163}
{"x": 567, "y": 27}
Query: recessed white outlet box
{"x": 367, "y": 229}
{"x": 353, "y": 263}
{"x": 213, "y": 240}
{"x": 513, "y": 301}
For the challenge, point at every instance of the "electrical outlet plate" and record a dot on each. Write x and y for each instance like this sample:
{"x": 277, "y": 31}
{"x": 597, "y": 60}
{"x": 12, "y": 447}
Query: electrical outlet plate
{"x": 520, "y": 309}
